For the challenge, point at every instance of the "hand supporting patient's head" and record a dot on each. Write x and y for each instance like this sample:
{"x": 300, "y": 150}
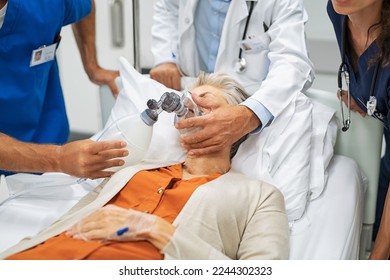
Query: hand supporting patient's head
{"x": 215, "y": 91}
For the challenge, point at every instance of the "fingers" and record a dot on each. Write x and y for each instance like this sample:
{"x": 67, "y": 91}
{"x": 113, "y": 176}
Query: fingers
{"x": 100, "y": 156}
{"x": 101, "y": 224}
{"x": 167, "y": 74}
{"x": 114, "y": 89}
{"x": 107, "y": 149}
{"x": 354, "y": 106}
{"x": 90, "y": 159}
{"x": 199, "y": 121}
{"x": 204, "y": 151}
{"x": 194, "y": 146}
{"x": 206, "y": 103}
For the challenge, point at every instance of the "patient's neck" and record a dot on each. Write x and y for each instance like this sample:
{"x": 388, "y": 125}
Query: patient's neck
{"x": 195, "y": 166}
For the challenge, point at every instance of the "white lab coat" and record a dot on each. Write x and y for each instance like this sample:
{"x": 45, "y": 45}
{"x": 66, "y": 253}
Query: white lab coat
{"x": 277, "y": 70}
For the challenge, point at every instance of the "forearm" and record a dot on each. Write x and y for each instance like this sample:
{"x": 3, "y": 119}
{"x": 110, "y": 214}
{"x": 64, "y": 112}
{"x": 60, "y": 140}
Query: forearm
{"x": 27, "y": 157}
{"x": 85, "y": 34}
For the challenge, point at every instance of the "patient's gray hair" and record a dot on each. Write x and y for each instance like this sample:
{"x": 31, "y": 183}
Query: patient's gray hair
{"x": 234, "y": 93}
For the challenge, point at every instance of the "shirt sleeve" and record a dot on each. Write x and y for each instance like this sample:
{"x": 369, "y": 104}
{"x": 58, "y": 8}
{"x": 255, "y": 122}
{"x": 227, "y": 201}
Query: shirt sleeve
{"x": 261, "y": 112}
{"x": 75, "y": 10}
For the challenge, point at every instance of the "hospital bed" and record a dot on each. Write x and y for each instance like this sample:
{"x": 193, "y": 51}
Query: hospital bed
{"x": 349, "y": 200}
{"x": 335, "y": 225}
{"x": 362, "y": 143}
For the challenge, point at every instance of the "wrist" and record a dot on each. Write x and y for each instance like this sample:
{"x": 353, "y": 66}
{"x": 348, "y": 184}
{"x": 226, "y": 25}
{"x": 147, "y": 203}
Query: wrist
{"x": 252, "y": 120}
{"x": 161, "y": 233}
{"x": 91, "y": 68}
{"x": 57, "y": 159}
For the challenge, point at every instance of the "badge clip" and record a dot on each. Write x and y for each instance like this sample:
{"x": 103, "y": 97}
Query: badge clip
{"x": 371, "y": 105}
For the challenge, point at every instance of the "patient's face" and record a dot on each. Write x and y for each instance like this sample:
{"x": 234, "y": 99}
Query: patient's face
{"x": 206, "y": 98}
{"x": 212, "y": 96}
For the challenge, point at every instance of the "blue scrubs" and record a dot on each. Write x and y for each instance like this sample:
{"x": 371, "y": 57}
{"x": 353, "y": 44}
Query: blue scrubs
{"x": 360, "y": 83}
{"x": 32, "y": 106}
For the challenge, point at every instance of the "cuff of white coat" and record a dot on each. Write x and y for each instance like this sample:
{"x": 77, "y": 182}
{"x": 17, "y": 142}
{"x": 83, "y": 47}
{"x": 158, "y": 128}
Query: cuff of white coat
{"x": 261, "y": 112}
{"x": 173, "y": 60}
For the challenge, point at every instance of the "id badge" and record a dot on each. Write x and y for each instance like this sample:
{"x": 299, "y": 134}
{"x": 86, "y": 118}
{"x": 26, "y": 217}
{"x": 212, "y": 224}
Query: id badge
{"x": 43, "y": 54}
{"x": 255, "y": 44}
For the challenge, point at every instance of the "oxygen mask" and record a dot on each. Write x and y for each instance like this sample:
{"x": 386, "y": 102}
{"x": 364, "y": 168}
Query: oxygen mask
{"x": 191, "y": 110}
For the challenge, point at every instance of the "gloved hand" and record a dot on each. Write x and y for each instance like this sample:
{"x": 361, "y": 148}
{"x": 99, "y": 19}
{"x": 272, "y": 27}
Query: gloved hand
{"x": 114, "y": 223}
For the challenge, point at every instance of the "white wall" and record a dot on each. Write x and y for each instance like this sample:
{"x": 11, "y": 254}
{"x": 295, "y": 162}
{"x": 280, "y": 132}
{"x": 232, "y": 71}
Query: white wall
{"x": 82, "y": 98}
{"x": 322, "y": 45}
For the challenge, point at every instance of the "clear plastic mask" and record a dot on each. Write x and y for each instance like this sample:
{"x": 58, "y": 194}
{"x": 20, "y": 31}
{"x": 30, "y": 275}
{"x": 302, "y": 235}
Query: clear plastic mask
{"x": 192, "y": 110}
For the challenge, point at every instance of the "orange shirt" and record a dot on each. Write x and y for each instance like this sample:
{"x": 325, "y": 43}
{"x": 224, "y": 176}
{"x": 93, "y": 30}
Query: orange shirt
{"x": 161, "y": 191}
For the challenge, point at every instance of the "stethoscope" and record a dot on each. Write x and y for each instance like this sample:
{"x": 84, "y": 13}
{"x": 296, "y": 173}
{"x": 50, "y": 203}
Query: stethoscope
{"x": 343, "y": 72}
{"x": 240, "y": 65}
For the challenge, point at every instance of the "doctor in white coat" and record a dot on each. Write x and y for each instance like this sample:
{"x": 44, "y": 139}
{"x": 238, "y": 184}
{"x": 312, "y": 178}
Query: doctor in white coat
{"x": 260, "y": 43}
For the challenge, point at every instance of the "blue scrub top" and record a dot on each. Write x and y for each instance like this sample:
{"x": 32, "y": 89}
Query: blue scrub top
{"x": 32, "y": 106}
{"x": 360, "y": 80}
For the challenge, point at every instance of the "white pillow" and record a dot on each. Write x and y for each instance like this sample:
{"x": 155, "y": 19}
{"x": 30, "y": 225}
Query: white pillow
{"x": 281, "y": 154}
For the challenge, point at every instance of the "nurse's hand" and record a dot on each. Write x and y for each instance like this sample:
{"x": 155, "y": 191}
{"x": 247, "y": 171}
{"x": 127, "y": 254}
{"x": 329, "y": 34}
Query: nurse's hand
{"x": 167, "y": 74}
{"x": 88, "y": 159}
{"x": 222, "y": 126}
{"x": 115, "y": 223}
{"x": 354, "y": 106}
{"x": 101, "y": 76}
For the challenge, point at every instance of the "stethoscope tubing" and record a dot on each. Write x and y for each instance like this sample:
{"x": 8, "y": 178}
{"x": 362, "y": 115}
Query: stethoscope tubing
{"x": 344, "y": 70}
{"x": 241, "y": 62}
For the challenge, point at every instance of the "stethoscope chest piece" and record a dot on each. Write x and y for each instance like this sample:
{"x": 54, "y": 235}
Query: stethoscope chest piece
{"x": 240, "y": 65}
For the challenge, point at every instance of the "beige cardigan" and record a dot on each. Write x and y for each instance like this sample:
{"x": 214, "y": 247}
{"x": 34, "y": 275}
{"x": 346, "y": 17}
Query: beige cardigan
{"x": 231, "y": 217}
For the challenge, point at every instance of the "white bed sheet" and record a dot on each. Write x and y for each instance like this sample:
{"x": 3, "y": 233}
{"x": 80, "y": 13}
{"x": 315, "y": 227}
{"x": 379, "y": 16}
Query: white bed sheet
{"x": 331, "y": 226}
{"x": 36, "y": 201}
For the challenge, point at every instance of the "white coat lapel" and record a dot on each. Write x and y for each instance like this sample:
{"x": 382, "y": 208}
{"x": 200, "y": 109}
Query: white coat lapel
{"x": 187, "y": 48}
{"x": 232, "y": 32}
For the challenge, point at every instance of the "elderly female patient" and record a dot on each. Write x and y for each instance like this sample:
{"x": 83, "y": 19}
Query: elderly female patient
{"x": 198, "y": 209}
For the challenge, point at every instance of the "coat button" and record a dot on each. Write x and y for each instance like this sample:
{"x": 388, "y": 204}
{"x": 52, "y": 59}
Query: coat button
{"x": 160, "y": 190}
{"x": 186, "y": 20}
